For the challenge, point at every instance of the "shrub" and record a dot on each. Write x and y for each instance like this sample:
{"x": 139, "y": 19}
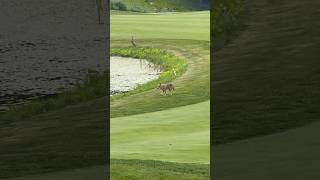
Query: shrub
{"x": 225, "y": 16}
{"x": 118, "y": 5}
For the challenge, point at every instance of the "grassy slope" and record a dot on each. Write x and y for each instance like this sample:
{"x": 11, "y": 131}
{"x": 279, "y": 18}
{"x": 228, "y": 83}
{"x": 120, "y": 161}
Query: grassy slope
{"x": 44, "y": 142}
{"x": 292, "y": 155}
{"x": 178, "y": 135}
{"x": 60, "y": 134}
{"x": 275, "y": 62}
{"x": 192, "y": 87}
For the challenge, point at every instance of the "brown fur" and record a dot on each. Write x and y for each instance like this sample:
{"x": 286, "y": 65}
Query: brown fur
{"x": 166, "y": 87}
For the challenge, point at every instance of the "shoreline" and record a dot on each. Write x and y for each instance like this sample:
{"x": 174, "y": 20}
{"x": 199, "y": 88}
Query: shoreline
{"x": 123, "y": 79}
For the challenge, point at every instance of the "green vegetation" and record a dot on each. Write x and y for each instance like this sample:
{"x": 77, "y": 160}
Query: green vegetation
{"x": 291, "y": 155}
{"x": 146, "y": 125}
{"x": 158, "y": 57}
{"x": 157, "y": 170}
{"x": 39, "y": 137}
{"x": 131, "y": 169}
{"x": 192, "y": 87}
{"x": 159, "y": 5}
{"x": 227, "y": 17}
{"x": 265, "y": 81}
{"x": 94, "y": 86}
{"x": 43, "y": 143}
{"x": 191, "y": 25}
{"x": 178, "y": 135}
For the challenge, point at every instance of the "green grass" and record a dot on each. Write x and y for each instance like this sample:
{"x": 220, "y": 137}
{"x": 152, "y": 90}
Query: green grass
{"x": 267, "y": 96}
{"x": 131, "y": 169}
{"x": 149, "y": 126}
{"x": 291, "y": 155}
{"x": 191, "y": 25}
{"x": 191, "y": 87}
{"x": 68, "y": 138}
{"x": 178, "y": 135}
{"x": 265, "y": 81}
{"x": 157, "y": 170}
{"x": 94, "y": 86}
{"x": 72, "y": 126}
{"x": 160, "y": 58}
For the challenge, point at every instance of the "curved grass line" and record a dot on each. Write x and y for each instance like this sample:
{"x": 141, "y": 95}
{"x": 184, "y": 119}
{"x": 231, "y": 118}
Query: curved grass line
{"x": 160, "y": 57}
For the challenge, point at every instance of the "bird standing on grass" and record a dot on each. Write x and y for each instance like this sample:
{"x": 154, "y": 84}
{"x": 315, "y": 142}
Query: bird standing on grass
{"x": 133, "y": 41}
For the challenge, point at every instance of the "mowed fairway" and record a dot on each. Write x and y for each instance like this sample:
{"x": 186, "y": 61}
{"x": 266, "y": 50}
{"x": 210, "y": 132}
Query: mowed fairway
{"x": 178, "y": 135}
{"x": 150, "y": 126}
{"x": 191, "y": 25}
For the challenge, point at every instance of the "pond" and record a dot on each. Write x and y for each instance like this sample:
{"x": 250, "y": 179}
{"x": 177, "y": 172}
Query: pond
{"x": 127, "y": 73}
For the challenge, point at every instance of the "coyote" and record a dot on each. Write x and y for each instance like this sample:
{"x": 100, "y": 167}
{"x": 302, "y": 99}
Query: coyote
{"x": 165, "y": 87}
{"x": 100, "y": 10}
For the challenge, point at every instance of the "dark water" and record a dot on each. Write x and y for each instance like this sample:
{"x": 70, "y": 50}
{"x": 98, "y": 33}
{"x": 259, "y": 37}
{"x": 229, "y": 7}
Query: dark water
{"x": 35, "y": 68}
{"x": 47, "y": 47}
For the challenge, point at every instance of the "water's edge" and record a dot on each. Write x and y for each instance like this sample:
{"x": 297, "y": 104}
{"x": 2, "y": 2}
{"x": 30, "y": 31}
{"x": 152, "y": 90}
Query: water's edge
{"x": 127, "y": 73}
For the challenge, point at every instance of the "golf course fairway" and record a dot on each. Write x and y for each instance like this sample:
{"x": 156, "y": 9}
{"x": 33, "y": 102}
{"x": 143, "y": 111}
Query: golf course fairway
{"x": 164, "y": 137}
{"x": 178, "y": 135}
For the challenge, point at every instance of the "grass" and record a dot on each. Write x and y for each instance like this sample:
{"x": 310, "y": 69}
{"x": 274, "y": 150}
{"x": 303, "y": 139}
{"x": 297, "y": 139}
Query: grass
{"x": 265, "y": 80}
{"x": 291, "y": 155}
{"x": 160, "y": 58}
{"x": 157, "y": 170}
{"x": 192, "y": 87}
{"x": 94, "y": 86}
{"x": 42, "y": 135}
{"x": 150, "y": 126}
{"x": 68, "y": 138}
{"x": 177, "y": 135}
{"x": 131, "y": 169}
{"x": 182, "y": 25}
